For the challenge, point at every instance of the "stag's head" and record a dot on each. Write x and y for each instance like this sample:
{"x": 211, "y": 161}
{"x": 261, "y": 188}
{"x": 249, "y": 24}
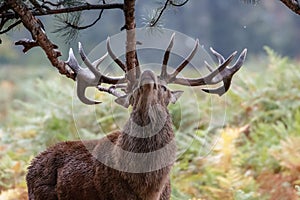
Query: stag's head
{"x": 146, "y": 88}
{"x": 149, "y": 90}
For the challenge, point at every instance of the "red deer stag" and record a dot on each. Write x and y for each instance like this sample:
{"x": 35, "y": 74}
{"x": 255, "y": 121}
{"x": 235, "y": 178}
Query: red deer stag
{"x": 133, "y": 163}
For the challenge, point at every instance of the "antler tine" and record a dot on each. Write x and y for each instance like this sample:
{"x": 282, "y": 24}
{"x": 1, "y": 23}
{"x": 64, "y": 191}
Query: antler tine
{"x": 163, "y": 73}
{"x": 220, "y": 90}
{"x": 81, "y": 83}
{"x": 87, "y": 62}
{"x": 97, "y": 63}
{"x": 72, "y": 62}
{"x": 185, "y": 62}
{"x": 239, "y": 63}
{"x": 90, "y": 76}
{"x": 208, "y": 66}
{"x": 113, "y": 56}
{"x": 101, "y": 78}
{"x": 220, "y": 58}
{"x": 137, "y": 65}
{"x": 228, "y": 74}
{"x": 210, "y": 79}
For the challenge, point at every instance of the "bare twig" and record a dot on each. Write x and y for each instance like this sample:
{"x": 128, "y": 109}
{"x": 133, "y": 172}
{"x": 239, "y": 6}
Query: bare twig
{"x": 163, "y": 9}
{"x": 10, "y": 26}
{"x": 12, "y": 15}
{"x": 180, "y": 4}
{"x": 37, "y": 6}
{"x": 52, "y": 4}
{"x": 29, "y": 44}
{"x": 160, "y": 14}
{"x": 87, "y": 26}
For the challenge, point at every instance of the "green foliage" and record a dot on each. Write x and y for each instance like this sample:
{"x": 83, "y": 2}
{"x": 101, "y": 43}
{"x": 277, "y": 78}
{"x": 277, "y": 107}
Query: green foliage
{"x": 65, "y": 23}
{"x": 258, "y": 145}
{"x": 265, "y": 105}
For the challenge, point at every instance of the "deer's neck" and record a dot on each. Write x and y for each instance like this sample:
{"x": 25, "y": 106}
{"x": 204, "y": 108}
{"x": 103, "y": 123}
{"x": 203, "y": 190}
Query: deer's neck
{"x": 147, "y": 130}
{"x": 147, "y": 144}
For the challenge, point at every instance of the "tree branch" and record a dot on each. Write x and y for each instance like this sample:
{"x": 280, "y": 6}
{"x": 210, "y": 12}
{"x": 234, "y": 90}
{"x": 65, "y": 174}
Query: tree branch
{"x": 12, "y": 15}
{"x": 27, "y": 44}
{"x": 52, "y": 4}
{"x": 179, "y": 4}
{"x": 292, "y": 5}
{"x": 87, "y": 26}
{"x": 3, "y": 7}
{"x": 161, "y": 11}
{"x": 160, "y": 14}
{"x": 39, "y": 36}
{"x": 37, "y": 6}
{"x": 10, "y": 27}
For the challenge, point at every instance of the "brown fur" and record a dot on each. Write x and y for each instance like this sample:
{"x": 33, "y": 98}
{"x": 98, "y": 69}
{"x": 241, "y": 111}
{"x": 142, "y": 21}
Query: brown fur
{"x": 72, "y": 170}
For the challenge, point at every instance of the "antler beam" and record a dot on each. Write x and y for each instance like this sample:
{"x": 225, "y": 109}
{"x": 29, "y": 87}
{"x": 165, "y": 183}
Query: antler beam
{"x": 223, "y": 73}
{"x": 90, "y": 76}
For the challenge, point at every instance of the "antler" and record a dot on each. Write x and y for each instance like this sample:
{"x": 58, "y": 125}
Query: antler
{"x": 223, "y": 73}
{"x": 121, "y": 64}
{"x": 113, "y": 56}
{"x": 90, "y": 76}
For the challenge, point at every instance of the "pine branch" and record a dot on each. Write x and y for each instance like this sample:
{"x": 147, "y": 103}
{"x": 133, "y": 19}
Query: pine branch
{"x": 65, "y": 25}
{"x": 160, "y": 11}
{"x": 71, "y": 24}
{"x": 86, "y": 26}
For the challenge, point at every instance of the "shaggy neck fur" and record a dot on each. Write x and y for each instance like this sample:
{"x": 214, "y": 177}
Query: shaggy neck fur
{"x": 148, "y": 150}
{"x": 147, "y": 130}
{"x": 147, "y": 141}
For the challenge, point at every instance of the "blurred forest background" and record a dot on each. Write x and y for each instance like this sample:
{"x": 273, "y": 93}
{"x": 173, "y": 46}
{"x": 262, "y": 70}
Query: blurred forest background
{"x": 225, "y": 25}
{"x": 256, "y": 154}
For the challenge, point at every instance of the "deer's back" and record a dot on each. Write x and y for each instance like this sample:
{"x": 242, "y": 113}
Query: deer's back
{"x": 65, "y": 171}
{"x": 70, "y": 170}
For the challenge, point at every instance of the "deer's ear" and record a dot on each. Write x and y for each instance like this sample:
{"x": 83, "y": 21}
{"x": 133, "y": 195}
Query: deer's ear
{"x": 175, "y": 95}
{"x": 123, "y": 101}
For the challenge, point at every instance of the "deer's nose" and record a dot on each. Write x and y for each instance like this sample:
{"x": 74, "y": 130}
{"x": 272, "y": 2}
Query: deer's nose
{"x": 148, "y": 77}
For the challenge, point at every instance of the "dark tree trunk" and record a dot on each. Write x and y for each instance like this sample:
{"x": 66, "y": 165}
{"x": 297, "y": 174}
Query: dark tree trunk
{"x": 129, "y": 12}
